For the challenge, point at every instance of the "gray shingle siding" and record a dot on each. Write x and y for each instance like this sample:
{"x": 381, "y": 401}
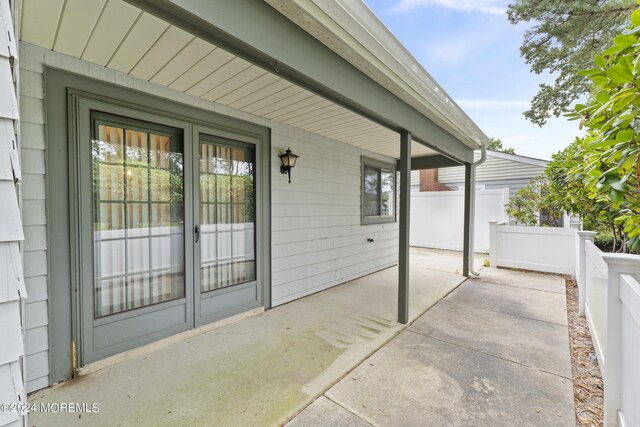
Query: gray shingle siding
{"x": 12, "y": 287}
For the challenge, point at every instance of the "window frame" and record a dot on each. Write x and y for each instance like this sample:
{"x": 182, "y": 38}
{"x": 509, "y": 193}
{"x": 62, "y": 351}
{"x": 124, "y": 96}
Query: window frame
{"x": 380, "y": 165}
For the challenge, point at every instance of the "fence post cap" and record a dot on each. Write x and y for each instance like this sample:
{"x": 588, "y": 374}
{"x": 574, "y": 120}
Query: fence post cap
{"x": 586, "y": 233}
{"x": 621, "y": 259}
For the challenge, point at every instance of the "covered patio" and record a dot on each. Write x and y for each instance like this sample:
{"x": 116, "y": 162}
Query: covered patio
{"x": 261, "y": 370}
{"x": 255, "y": 78}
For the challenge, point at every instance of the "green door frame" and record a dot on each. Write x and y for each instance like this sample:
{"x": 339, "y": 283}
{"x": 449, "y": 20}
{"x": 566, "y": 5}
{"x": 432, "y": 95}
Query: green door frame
{"x": 241, "y": 295}
{"x": 175, "y": 314}
{"x": 64, "y": 272}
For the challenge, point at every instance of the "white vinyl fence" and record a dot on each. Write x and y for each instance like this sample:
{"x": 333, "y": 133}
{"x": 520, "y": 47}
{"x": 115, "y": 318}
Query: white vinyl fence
{"x": 595, "y": 297}
{"x": 437, "y": 218}
{"x": 532, "y": 248}
{"x": 629, "y": 352}
{"x": 609, "y": 297}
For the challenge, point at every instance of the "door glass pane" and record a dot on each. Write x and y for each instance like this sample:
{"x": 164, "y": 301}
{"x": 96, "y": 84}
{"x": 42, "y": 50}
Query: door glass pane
{"x": 138, "y": 189}
{"x": 227, "y": 223}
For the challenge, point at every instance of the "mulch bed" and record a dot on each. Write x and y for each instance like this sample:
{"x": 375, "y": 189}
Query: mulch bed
{"x": 588, "y": 388}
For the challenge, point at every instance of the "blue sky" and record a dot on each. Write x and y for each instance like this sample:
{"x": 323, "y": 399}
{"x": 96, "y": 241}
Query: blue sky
{"x": 472, "y": 50}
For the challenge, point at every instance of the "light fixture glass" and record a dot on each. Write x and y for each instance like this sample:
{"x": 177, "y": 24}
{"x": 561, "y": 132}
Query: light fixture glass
{"x": 288, "y": 160}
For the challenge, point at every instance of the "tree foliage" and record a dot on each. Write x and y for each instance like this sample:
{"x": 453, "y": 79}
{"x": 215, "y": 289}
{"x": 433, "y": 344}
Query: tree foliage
{"x": 609, "y": 154}
{"x": 598, "y": 176}
{"x": 495, "y": 144}
{"x": 570, "y": 191}
{"x": 562, "y": 40}
{"x": 527, "y": 205}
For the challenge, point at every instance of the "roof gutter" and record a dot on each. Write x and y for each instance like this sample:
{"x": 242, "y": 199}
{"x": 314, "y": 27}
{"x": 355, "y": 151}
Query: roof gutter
{"x": 354, "y": 32}
{"x": 472, "y": 208}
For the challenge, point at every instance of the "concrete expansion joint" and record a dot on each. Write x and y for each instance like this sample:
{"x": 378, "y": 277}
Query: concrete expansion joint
{"x": 346, "y": 409}
{"x": 508, "y": 314}
{"x": 519, "y": 287}
{"x": 492, "y": 355}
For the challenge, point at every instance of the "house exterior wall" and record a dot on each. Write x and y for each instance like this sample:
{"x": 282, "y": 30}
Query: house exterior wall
{"x": 493, "y": 169}
{"x": 12, "y": 289}
{"x": 513, "y": 184}
{"x": 415, "y": 180}
{"x": 494, "y": 173}
{"x": 317, "y": 239}
{"x": 429, "y": 181}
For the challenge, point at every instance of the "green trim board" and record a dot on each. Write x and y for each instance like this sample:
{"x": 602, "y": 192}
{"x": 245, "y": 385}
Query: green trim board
{"x": 64, "y": 94}
{"x": 240, "y": 27}
{"x": 466, "y": 238}
{"x": 430, "y": 162}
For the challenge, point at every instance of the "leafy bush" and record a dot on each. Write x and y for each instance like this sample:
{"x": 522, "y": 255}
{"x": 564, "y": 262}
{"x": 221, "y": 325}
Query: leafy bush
{"x": 527, "y": 204}
{"x": 606, "y": 160}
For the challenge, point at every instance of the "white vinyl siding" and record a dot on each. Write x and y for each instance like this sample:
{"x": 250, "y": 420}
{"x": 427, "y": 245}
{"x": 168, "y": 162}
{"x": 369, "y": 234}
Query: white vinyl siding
{"x": 493, "y": 169}
{"x": 513, "y": 184}
{"x": 415, "y": 180}
{"x": 317, "y": 239}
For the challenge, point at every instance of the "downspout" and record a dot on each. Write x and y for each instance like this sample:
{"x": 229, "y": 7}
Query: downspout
{"x": 472, "y": 208}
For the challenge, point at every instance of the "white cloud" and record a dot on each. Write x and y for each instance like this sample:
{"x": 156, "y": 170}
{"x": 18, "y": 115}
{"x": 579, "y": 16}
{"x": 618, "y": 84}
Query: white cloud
{"x": 497, "y": 7}
{"x": 492, "y": 104}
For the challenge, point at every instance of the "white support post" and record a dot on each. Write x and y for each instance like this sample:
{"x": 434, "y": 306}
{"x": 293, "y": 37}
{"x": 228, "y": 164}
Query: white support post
{"x": 581, "y": 261}
{"x": 617, "y": 264}
{"x": 493, "y": 243}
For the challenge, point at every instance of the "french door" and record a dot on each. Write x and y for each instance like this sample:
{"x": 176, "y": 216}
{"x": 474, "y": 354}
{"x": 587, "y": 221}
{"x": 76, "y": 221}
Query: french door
{"x": 225, "y": 250}
{"x": 167, "y": 228}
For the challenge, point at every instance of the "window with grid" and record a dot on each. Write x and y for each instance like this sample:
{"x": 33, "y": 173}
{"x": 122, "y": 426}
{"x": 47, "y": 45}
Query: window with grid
{"x": 138, "y": 214}
{"x": 378, "y": 192}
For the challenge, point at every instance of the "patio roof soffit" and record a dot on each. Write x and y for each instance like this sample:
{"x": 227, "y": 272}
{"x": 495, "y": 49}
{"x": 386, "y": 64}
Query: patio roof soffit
{"x": 258, "y": 33}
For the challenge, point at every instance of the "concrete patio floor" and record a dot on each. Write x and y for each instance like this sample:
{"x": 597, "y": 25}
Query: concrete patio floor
{"x": 262, "y": 370}
{"x": 494, "y": 352}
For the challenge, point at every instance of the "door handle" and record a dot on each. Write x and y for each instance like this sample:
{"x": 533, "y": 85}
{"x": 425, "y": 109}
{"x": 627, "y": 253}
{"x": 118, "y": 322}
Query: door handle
{"x": 197, "y": 232}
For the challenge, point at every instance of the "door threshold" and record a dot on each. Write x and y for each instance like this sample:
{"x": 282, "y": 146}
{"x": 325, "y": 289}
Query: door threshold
{"x": 151, "y": 347}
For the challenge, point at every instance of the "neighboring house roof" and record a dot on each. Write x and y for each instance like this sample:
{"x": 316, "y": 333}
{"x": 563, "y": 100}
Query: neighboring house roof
{"x": 517, "y": 158}
{"x": 499, "y": 166}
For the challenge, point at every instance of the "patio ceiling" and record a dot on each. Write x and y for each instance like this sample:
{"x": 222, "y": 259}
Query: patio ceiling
{"x": 118, "y": 35}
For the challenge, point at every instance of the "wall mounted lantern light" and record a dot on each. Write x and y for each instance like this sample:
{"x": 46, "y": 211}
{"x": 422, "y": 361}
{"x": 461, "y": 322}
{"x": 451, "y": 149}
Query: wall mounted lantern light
{"x": 288, "y": 160}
